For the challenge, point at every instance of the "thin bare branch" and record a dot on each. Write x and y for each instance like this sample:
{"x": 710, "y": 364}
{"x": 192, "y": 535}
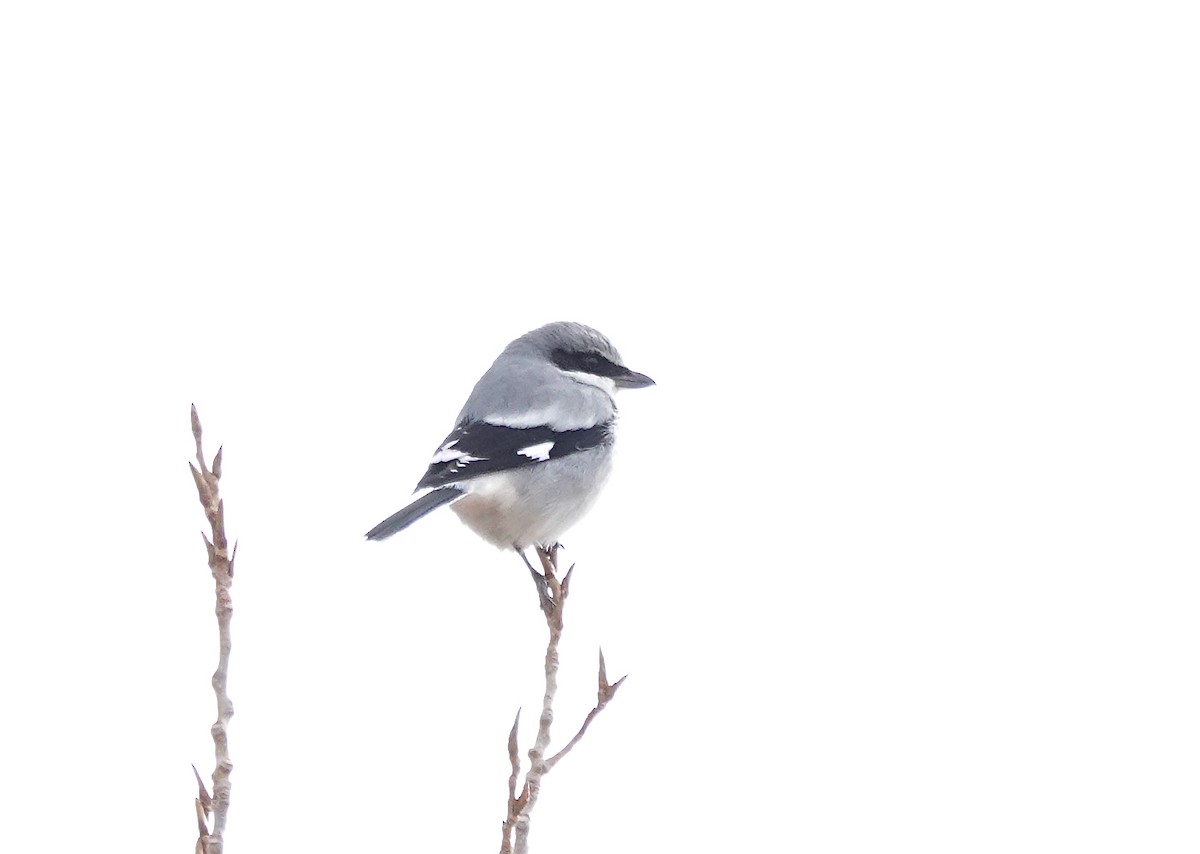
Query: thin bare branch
{"x": 553, "y": 598}
{"x": 220, "y": 563}
{"x": 514, "y": 803}
{"x": 604, "y": 693}
{"x": 514, "y": 758}
{"x": 203, "y": 798}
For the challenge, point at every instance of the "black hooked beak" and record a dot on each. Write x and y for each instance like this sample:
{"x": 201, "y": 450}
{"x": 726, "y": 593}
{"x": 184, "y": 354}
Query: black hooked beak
{"x": 632, "y": 379}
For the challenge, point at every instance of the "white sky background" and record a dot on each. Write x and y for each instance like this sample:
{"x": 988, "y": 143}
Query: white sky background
{"x": 900, "y": 554}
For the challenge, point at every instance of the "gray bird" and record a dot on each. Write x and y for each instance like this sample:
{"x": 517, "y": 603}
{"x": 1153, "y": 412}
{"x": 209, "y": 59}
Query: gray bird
{"x": 532, "y": 447}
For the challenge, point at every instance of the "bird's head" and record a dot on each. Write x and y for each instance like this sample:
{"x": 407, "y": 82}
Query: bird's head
{"x": 583, "y": 354}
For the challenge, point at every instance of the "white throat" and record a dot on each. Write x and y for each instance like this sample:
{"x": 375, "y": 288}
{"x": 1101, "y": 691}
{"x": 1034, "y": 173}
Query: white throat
{"x": 605, "y": 384}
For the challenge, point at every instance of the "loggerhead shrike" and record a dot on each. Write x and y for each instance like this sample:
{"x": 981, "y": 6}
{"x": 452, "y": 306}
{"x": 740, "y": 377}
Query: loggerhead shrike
{"x": 532, "y": 447}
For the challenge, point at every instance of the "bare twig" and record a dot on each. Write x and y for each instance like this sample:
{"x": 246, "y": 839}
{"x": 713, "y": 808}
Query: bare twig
{"x": 203, "y": 801}
{"x": 553, "y": 598}
{"x": 220, "y": 562}
{"x": 515, "y": 804}
{"x": 603, "y": 694}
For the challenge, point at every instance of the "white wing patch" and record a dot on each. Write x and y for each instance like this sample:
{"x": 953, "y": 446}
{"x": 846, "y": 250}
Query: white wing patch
{"x": 448, "y": 453}
{"x": 540, "y": 451}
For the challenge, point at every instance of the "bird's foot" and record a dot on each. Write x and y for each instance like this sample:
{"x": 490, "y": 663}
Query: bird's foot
{"x": 545, "y": 598}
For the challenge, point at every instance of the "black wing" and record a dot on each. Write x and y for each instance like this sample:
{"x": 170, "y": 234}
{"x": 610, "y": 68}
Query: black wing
{"x": 477, "y": 447}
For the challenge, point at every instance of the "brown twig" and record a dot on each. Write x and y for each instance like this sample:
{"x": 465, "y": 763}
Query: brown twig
{"x": 220, "y": 562}
{"x": 553, "y": 599}
{"x": 515, "y": 804}
{"x": 603, "y": 694}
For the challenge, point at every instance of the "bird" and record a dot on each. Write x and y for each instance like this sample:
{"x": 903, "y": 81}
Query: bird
{"x": 532, "y": 447}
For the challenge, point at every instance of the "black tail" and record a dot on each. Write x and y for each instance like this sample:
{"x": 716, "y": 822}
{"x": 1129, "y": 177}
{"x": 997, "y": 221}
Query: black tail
{"x": 401, "y": 519}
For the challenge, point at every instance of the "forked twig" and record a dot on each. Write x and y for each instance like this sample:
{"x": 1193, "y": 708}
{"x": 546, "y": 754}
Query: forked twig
{"x": 553, "y": 599}
{"x": 603, "y": 694}
{"x": 515, "y": 804}
{"x": 220, "y": 562}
